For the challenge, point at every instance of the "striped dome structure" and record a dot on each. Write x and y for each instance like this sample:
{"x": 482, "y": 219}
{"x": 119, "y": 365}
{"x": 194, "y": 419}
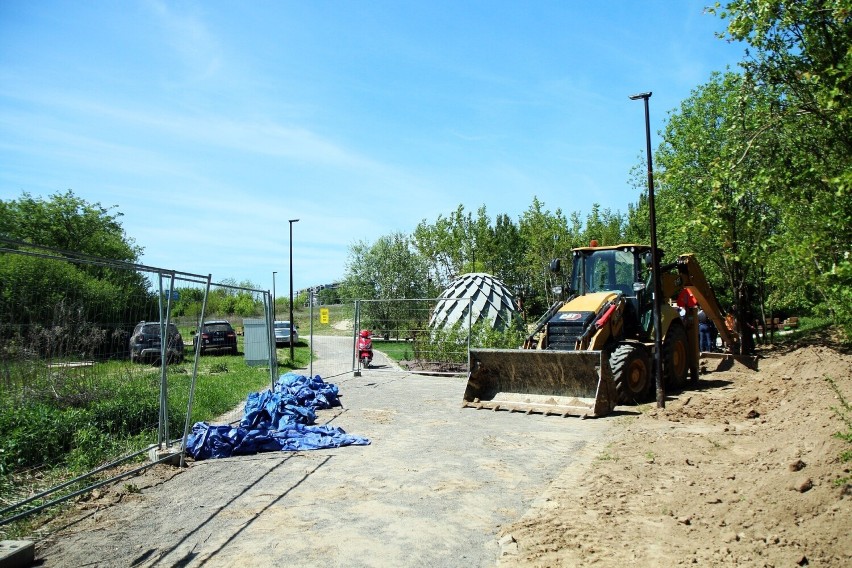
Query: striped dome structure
{"x": 490, "y": 301}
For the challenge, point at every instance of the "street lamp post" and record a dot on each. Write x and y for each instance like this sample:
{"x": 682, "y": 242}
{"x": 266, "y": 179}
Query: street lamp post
{"x": 292, "y": 323}
{"x": 655, "y": 261}
{"x": 273, "y": 295}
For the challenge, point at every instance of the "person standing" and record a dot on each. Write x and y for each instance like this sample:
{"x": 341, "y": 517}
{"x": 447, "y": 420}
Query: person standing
{"x": 714, "y": 334}
{"x": 705, "y": 335}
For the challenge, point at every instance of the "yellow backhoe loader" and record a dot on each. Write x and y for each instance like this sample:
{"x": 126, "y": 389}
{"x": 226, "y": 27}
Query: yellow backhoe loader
{"x": 595, "y": 350}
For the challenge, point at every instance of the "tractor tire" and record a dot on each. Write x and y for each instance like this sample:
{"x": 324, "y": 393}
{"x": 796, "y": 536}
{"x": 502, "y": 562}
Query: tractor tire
{"x": 675, "y": 357}
{"x": 631, "y": 372}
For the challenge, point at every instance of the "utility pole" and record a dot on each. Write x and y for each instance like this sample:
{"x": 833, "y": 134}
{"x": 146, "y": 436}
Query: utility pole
{"x": 655, "y": 261}
{"x": 292, "y": 323}
{"x": 273, "y": 295}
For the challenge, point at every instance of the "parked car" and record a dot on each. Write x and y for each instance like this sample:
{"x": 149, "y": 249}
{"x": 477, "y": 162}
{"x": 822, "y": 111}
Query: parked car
{"x": 217, "y": 336}
{"x": 145, "y": 344}
{"x": 285, "y": 333}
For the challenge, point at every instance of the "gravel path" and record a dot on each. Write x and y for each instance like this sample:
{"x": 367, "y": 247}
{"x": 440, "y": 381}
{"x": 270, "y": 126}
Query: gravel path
{"x": 433, "y": 489}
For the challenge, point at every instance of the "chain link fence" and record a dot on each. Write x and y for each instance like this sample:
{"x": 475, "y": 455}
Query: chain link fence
{"x": 403, "y": 336}
{"x": 101, "y": 363}
{"x": 409, "y": 334}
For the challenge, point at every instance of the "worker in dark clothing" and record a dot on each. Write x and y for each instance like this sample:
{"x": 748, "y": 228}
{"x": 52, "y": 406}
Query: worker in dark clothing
{"x": 705, "y": 336}
{"x": 714, "y": 335}
{"x": 747, "y": 331}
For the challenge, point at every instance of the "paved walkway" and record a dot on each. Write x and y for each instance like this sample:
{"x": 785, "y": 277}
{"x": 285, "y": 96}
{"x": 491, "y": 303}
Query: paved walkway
{"x": 433, "y": 489}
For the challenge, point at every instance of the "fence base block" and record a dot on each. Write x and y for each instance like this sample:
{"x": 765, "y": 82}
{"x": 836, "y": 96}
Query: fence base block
{"x": 170, "y": 456}
{"x": 16, "y": 553}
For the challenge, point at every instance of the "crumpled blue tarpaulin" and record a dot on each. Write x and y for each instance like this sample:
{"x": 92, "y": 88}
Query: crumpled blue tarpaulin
{"x": 274, "y": 420}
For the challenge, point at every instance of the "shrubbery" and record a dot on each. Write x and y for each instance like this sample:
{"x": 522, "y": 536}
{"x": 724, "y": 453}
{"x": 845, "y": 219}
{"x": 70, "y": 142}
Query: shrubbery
{"x": 450, "y": 345}
{"x": 108, "y": 414}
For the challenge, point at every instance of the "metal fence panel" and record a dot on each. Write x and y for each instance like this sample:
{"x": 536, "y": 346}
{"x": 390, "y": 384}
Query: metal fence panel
{"x": 405, "y": 333}
{"x": 78, "y": 334}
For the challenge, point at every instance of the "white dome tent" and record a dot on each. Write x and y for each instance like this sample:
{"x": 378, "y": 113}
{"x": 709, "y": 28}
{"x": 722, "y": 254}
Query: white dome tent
{"x": 490, "y": 301}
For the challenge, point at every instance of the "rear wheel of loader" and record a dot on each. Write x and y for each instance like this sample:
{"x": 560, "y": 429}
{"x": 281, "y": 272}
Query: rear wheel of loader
{"x": 675, "y": 357}
{"x": 630, "y": 372}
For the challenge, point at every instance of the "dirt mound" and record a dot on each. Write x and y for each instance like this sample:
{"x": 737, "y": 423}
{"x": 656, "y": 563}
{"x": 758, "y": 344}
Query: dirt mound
{"x": 742, "y": 470}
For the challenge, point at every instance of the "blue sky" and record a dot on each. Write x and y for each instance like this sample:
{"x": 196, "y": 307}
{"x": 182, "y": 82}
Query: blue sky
{"x": 210, "y": 123}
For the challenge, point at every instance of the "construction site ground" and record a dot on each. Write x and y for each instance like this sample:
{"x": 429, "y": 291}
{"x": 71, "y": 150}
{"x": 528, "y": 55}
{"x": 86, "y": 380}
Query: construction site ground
{"x": 740, "y": 470}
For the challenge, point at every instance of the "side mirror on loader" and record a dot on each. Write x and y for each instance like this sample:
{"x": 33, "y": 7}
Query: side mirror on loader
{"x": 555, "y": 266}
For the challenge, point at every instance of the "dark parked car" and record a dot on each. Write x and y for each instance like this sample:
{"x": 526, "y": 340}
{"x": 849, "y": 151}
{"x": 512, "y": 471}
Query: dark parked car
{"x": 217, "y": 336}
{"x": 145, "y": 344}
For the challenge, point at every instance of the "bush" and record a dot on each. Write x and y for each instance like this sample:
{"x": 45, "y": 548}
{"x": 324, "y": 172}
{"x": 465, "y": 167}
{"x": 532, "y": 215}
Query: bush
{"x": 37, "y": 434}
{"x": 450, "y": 345}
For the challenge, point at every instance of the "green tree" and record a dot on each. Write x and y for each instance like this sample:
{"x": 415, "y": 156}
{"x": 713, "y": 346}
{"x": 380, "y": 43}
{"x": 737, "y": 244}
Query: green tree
{"x": 603, "y": 225}
{"x": 803, "y": 47}
{"x": 711, "y": 200}
{"x": 637, "y": 221}
{"x": 189, "y": 303}
{"x": 546, "y": 237}
{"x": 504, "y": 253}
{"x": 69, "y": 223}
{"x": 329, "y": 295}
{"x": 803, "y": 52}
{"x": 518, "y": 254}
{"x": 39, "y": 293}
{"x": 456, "y": 244}
{"x": 388, "y": 269}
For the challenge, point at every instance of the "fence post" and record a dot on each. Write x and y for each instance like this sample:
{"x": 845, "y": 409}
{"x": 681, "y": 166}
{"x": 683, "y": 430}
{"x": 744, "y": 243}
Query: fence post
{"x": 270, "y": 328}
{"x": 193, "y": 381}
{"x": 356, "y": 365}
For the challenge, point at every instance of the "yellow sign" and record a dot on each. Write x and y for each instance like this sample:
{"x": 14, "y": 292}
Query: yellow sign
{"x": 323, "y": 315}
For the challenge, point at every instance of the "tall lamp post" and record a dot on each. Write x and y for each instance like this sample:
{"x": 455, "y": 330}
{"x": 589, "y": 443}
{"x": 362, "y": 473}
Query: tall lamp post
{"x": 273, "y": 295}
{"x": 655, "y": 261}
{"x": 292, "y": 323}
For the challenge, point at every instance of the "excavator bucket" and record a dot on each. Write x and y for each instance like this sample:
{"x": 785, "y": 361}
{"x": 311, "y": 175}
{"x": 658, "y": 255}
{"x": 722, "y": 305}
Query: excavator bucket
{"x": 547, "y": 382}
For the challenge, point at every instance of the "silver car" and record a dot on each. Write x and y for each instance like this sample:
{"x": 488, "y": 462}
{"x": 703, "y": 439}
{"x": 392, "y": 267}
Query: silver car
{"x": 285, "y": 333}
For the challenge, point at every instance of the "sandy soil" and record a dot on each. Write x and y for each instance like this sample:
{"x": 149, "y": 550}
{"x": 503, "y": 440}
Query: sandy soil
{"x": 739, "y": 473}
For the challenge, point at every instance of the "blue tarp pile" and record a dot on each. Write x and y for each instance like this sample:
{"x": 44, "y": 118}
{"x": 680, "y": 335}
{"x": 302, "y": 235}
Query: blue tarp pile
{"x": 273, "y": 420}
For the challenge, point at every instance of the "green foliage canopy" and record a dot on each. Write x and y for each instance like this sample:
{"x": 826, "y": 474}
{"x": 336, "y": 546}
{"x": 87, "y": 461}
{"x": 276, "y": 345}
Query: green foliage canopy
{"x": 800, "y": 56}
{"x": 69, "y": 223}
{"x": 41, "y": 292}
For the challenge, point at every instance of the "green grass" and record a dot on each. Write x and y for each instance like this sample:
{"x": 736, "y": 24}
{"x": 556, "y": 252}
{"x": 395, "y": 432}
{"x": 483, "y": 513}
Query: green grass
{"x": 396, "y": 350}
{"x": 606, "y": 455}
{"x": 222, "y": 383}
{"x": 301, "y": 356}
{"x": 336, "y": 314}
{"x": 69, "y": 421}
{"x": 807, "y": 326}
{"x": 60, "y": 422}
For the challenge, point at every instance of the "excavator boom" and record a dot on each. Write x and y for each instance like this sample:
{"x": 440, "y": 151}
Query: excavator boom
{"x": 694, "y": 280}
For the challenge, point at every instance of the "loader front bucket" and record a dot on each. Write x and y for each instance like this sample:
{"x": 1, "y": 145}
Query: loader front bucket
{"x": 549, "y": 382}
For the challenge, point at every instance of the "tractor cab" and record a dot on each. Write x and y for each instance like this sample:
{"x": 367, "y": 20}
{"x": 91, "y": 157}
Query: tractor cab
{"x": 622, "y": 268}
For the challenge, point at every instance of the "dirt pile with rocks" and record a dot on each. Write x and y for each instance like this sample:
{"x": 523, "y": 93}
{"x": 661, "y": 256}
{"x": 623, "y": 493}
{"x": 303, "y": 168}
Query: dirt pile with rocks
{"x": 743, "y": 470}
